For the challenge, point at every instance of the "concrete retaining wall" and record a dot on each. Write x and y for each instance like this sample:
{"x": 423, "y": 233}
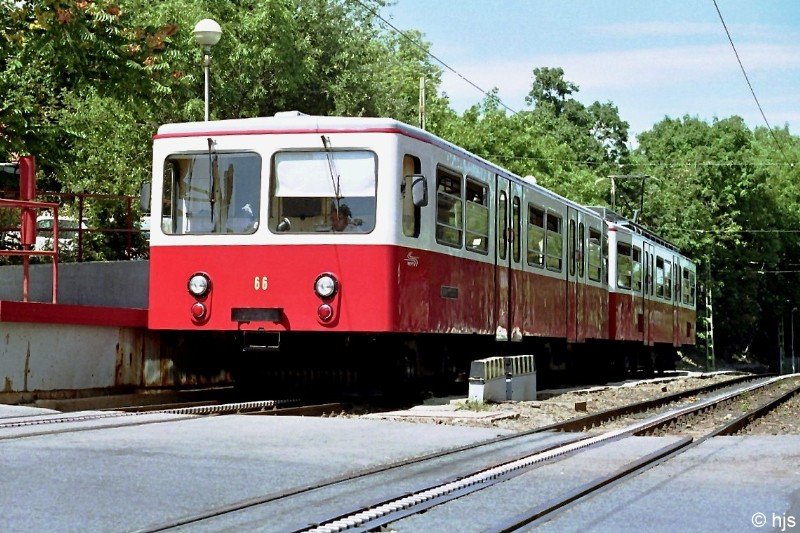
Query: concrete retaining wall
{"x": 38, "y": 357}
{"x": 108, "y": 284}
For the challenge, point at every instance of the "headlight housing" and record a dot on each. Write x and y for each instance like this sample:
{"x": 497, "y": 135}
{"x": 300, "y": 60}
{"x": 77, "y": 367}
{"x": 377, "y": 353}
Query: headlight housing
{"x": 326, "y": 286}
{"x": 199, "y": 285}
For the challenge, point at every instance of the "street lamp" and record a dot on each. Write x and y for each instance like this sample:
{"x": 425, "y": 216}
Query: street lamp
{"x": 206, "y": 34}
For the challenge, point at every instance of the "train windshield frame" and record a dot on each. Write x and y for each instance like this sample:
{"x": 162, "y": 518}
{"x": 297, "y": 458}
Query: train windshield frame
{"x": 211, "y": 193}
{"x": 323, "y": 191}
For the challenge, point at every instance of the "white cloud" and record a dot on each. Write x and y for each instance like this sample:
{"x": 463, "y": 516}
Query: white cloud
{"x": 657, "y": 29}
{"x": 650, "y": 29}
{"x": 609, "y": 71}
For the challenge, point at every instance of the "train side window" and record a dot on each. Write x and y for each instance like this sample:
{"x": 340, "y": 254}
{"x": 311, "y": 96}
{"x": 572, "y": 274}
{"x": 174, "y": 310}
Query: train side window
{"x": 571, "y": 248}
{"x": 652, "y": 274}
{"x": 581, "y": 250}
{"x": 515, "y": 223}
{"x": 477, "y": 216}
{"x": 502, "y": 217}
{"x": 555, "y": 243}
{"x": 660, "y": 277}
{"x": 685, "y": 287}
{"x": 595, "y": 258}
{"x": 668, "y": 280}
{"x": 171, "y": 173}
{"x": 636, "y": 269}
{"x": 536, "y": 236}
{"x": 449, "y": 216}
{"x": 411, "y": 212}
{"x": 688, "y": 287}
{"x": 624, "y": 265}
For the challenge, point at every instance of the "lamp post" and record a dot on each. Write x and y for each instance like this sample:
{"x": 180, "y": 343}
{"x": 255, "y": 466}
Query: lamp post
{"x": 791, "y": 341}
{"x": 206, "y": 34}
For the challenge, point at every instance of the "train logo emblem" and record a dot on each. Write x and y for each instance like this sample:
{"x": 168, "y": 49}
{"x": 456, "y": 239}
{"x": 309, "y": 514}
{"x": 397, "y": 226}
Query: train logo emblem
{"x": 412, "y": 260}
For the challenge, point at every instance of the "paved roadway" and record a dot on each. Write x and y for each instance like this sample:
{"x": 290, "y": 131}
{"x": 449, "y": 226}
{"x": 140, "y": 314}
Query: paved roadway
{"x": 128, "y": 477}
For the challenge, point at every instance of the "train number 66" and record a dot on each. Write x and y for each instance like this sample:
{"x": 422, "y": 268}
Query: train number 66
{"x": 260, "y": 283}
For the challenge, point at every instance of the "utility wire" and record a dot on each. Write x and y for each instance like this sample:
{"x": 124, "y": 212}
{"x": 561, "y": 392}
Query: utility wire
{"x": 747, "y": 79}
{"x": 445, "y": 65}
{"x": 639, "y": 165}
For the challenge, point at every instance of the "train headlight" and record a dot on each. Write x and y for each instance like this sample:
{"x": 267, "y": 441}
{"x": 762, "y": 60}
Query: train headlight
{"x": 326, "y": 286}
{"x": 199, "y": 285}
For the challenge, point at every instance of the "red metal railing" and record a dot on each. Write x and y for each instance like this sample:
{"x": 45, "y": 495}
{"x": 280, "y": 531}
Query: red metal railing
{"x": 81, "y": 198}
{"x": 81, "y": 232}
{"x": 28, "y": 238}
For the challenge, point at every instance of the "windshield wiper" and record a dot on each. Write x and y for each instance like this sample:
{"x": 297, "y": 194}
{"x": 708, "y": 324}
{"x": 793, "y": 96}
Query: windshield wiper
{"x": 332, "y": 169}
{"x": 213, "y": 172}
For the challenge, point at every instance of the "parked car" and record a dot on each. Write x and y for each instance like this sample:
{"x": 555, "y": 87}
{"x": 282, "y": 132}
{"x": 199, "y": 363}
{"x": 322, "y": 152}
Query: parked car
{"x": 67, "y": 232}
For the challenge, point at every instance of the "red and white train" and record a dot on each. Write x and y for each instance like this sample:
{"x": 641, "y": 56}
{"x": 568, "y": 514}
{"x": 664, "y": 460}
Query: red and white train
{"x": 303, "y": 234}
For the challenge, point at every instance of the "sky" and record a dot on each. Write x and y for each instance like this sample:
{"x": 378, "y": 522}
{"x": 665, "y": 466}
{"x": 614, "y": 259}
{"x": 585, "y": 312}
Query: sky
{"x": 650, "y": 58}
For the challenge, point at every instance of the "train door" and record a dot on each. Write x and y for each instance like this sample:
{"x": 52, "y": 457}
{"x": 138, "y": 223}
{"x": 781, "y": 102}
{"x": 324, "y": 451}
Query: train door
{"x": 647, "y": 293}
{"x": 574, "y": 277}
{"x": 580, "y": 296}
{"x": 503, "y": 259}
{"x": 516, "y": 307}
{"x": 675, "y": 275}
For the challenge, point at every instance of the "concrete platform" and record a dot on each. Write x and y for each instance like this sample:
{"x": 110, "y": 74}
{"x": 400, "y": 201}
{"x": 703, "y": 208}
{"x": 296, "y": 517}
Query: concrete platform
{"x": 452, "y": 412}
{"x": 95, "y": 340}
{"x": 55, "y": 347}
{"x": 13, "y": 411}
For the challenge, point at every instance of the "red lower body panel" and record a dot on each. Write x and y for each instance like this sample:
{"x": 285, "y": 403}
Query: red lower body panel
{"x": 381, "y": 288}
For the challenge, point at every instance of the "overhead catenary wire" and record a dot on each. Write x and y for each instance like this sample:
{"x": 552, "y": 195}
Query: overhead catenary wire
{"x": 417, "y": 44}
{"x": 641, "y": 164}
{"x": 747, "y": 79}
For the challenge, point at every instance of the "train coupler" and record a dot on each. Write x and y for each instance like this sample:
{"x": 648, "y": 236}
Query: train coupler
{"x": 261, "y": 341}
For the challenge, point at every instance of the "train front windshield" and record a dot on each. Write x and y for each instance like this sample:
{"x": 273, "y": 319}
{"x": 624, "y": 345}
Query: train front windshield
{"x": 211, "y": 193}
{"x": 323, "y": 192}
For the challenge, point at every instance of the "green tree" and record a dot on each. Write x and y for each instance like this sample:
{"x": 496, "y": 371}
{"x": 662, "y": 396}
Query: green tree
{"x": 85, "y": 83}
{"x": 715, "y": 195}
{"x": 568, "y": 147}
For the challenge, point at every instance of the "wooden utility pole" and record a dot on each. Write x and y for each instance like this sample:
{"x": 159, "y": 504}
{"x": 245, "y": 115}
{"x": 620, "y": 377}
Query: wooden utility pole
{"x": 422, "y": 102}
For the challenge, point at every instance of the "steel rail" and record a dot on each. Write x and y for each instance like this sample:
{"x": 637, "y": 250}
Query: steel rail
{"x": 747, "y": 418}
{"x": 589, "y": 421}
{"x": 391, "y": 510}
{"x": 561, "y": 502}
{"x": 535, "y": 516}
{"x": 197, "y": 410}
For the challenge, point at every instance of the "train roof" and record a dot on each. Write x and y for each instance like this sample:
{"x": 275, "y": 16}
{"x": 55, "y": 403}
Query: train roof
{"x": 618, "y": 220}
{"x": 297, "y": 122}
{"x": 289, "y": 121}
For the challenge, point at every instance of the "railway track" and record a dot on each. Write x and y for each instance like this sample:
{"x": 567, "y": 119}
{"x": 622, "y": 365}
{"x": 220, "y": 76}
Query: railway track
{"x": 45, "y": 424}
{"x": 490, "y": 462}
